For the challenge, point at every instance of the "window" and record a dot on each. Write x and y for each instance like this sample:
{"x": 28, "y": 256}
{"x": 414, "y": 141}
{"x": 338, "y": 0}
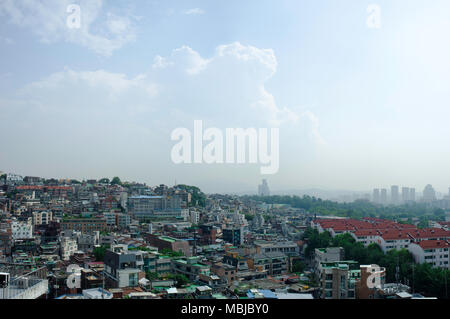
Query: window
{"x": 132, "y": 278}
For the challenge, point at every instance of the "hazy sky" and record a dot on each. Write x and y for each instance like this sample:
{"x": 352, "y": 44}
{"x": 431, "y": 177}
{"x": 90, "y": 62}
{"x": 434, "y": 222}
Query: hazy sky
{"x": 357, "y": 107}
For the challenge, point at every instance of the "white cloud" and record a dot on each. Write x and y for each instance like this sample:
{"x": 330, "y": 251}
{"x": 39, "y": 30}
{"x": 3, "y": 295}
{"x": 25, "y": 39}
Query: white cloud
{"x": 100, "y": 110}
{"x": 228, "y": 90}
{"x": 313, "y": 123}
{"x": 96, "y": 89}
{"x": 195, "y": 11}
{"x": 101, "y": 31}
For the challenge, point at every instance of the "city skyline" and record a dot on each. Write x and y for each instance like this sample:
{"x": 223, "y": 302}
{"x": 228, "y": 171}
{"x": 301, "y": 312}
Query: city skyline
{"x": 376, "y": 195}
{"x": 188, "y": 151}
{"x": 357, "y": 104}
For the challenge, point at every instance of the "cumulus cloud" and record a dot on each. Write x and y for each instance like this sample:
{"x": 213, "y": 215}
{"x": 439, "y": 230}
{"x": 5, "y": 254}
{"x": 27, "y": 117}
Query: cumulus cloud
{"x": 227, "y": 89}
{"x": 99, "y": 30}
{"x": 106, "y": 109}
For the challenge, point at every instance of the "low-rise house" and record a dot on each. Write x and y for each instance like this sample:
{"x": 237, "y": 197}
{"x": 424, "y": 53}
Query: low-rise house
{"x": 191, "y": 267}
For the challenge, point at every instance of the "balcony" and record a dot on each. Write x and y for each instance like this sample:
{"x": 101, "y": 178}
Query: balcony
{"x": 28, "y": 286}
{"x": 25, "y": 289}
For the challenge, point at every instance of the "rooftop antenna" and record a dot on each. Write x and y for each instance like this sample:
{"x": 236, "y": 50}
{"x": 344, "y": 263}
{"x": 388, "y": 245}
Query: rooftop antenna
{"x": 397, "y": 271}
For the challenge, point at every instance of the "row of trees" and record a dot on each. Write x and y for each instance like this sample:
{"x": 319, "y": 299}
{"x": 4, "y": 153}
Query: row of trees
{"x": 356, "y": 209}
{"x": 115, "y": 181}
{"x": 422, "y": 278}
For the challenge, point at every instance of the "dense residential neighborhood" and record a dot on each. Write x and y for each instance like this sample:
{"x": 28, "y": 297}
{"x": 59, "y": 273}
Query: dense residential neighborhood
{"x": 109, "y": 239}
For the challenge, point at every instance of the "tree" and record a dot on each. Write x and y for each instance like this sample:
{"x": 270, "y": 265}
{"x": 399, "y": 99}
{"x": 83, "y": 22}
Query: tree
{"x": 171, "y": 253}
{"x": 151, "y": 275}
{"x": 181, "y": 280}
{"x": 298, "y": 266}
{"x": 104, "y": 181}
{"x": 249, "y": 217}
{"x": 99, "y": 253}
{"x": 51, "y": 181}
{"x": 116, "y": 181}
{"x": 315, "y": 240}
{"x": 198, "y": 198}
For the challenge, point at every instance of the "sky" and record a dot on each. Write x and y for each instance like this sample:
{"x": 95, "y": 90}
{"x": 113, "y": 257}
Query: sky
{"x": 358, "y": 105}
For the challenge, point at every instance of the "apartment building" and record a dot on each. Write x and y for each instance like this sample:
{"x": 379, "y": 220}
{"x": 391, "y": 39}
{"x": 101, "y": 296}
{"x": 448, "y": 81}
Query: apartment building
{"x": 429, "y": 234}
{"x": 84, "y": 225}
{"x": 114, "y": 219}
{"x": 163, "y": 265}
{"x": 433, "y": 252}
{"x": 366, "y": 236}
{"x": 68, "y": 247}
{"x": 233, "y": 235}
{"x": 123, "y": 268}
{"x": 286, "y": 247}
{"x": 325, "y": 255}
{"x": 21, "y": 230}
{"x": 393, "y": 239}
{"x": 274, "y": 263}
{"x": 87, "y": 242}
{"x": 42, "y": 218}
{"x": 143, "y": 207}
{"x": 337, "y": 280}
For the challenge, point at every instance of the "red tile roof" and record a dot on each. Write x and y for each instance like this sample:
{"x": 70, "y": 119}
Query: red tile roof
{"x": 366, "y": 232}
{"x": 430, "y": 244}
{"x": 393, "y": 234}
{"x": 394, "y": 229}
{"x": 430, "y": 233}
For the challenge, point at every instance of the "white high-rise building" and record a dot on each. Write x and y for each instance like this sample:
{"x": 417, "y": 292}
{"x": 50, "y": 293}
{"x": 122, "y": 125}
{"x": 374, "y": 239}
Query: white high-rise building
{"x": 412, "y": 194}
{"x": 383, "y": 196}
{"x": 429, "y": 194}
{"x": 394, "y": 194}
{"x": 263, "y": 189}
{"x": 405, "y": 194}
{"x": 376, "y": 196}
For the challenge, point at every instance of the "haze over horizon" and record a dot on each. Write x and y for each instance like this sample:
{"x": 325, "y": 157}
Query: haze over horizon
{"x": 357, "y": 107}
